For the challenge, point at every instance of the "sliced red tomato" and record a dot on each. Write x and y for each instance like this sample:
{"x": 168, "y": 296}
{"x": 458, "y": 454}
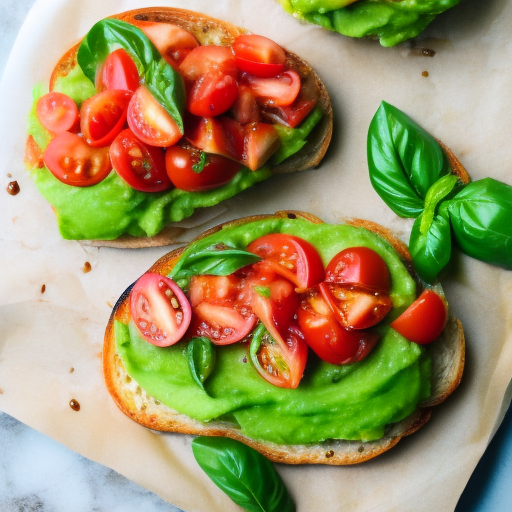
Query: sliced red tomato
{"x": 291, "y": 257}
{"x": 75, "y": 163}
{"x": 291, "y": 115}
{"x": 261, "y": 142}
{"x": 281, "y": 362}
{"x": 159, "y": 309}
{"x": 359, "y": 266}
{"x": 355, "y": 308}
{"x": 259, "y": 55}
{"x": 139, "y": 165}
{"x": 216, "y": 312}
{"x": 327, "y": 338}
{"x": 279, "y": 91}
{"x": 118, "y": 72}
{"x": 424, "y": 320}
{"x": 150, "y": 122}
{"x": 103, "y": 116}
{"x": 57, "y": 112}
{"x": 245, "y": 108}
{"x": 212, "y": 94}
{"x": 187, "y": 172}
{"x": 174, "y": 43}
{"x": 204, "y": 59}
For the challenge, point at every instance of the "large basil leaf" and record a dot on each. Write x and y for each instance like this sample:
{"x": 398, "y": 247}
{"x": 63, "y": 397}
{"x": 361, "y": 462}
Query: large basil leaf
{"x": 201, "y": 359}
{"x": 481, "y": 217}
{"x": 245, "y": 475}
{"x": 162, "y": 80}
{"x": 404, "y": 161}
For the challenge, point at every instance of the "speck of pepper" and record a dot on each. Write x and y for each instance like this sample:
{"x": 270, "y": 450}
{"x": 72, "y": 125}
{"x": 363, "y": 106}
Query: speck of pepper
{"x": 74, "y": 405}
{"x": 427, "y": 52}
{"x": 87, "y": 267}
{"x": 13, "y": 188}
{"x": 329, "y": 454}
{"x": 360, "y": 449}
{"x": 425, "y": 74}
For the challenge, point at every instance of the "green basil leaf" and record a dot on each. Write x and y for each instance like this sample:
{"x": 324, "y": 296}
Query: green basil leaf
{"x": 164, "y": 83}
{"x": 404, "y": 161}
{"x": 199, "y": 167}
{"x": 245, "y": 475}
{"x": 201, "y": 359}
{"x": 481, "y": 217}
{"x": 264, "y": 291}
{"x": 430, "y": 248}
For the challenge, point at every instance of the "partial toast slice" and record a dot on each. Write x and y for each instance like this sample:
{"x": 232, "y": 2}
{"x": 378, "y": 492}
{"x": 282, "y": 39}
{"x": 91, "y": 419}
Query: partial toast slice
{"x": 447, "y": 363}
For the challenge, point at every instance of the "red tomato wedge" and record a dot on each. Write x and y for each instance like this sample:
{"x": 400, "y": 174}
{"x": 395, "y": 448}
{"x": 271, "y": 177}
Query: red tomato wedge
{"x": 187, "y": 173}
{"x": 291, "y": 257}
{"x": 327, "y": 338}
{"x": 245, "y": 108}
{"x": 212, "y": 94}
{"x": 355, "y": 308}
{"x": 159, "y": 309}
{"x": 118, "y": 72}
{"x": 424, "y": 320}
{"x": 279, "y": 91}
{"x": 204, "y": 59}
{"x": 57, "y": 112}
{"x": 292, "y": 115}
{"x": 139, "y": 165}
{"x": 216, "y": 312}
{"x": 150, "y": 122}
{"x": 103, "y": 116}
{"x": 75, "y": 163}
{"x": 359, "y": 266}
{"x": 174, "y": 43}
{"x": 260, "y": 143}
{"x": 258, "y": 55}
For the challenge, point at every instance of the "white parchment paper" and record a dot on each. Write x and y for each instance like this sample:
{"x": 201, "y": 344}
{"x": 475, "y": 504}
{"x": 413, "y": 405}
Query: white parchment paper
{"x": 51, "y": 342}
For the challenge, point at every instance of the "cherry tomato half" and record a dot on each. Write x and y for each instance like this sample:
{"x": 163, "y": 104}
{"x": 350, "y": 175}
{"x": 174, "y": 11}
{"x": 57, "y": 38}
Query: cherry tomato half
{"x": 118, "y": 72}
{"x": 258, "y": 55}
{"x": 203, "y": 59}
{"x": 184, "y": 168}
{"x": 139, "y": 165}
{"x": 216, "y": 312}
{"x": 149, "y": 121}
{"x": 355, "y": 308}
{"x": 159, "y": 309}
{"x": 103, "y": 116}
{"x": 291, "y": 257}
{"x": 327, "y": 338}
{"x": 57, "y": 112}
{"x": 279, "y": 91}
{"x": 359, "y": 266}
{"x": 75, "y": 163}
{"x": 424, "y": 320}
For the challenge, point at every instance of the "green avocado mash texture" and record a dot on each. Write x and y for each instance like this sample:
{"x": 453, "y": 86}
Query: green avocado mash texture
{"x": 111, "y": 208}
{"x": 391, "y": 21}
{"x": 353, "y": 402}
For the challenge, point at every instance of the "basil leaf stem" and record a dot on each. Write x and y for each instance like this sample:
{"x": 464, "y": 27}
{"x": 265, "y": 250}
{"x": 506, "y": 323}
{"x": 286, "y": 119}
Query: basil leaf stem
{"x": 245, "y": 475}
{"x": 201, "y": 359}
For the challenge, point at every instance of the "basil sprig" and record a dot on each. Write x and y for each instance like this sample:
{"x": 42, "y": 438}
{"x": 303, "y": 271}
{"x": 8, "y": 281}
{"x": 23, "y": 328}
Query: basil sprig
{"x": 201, "y": 359}
{"x": 410, "y": 171}
{"x": 164, "y": 83}
{"x": 245, "y": 475}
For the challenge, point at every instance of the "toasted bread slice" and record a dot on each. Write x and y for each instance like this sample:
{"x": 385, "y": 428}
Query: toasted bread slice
{"x": 209, "y": 31}
{"x": 447, "y": 364}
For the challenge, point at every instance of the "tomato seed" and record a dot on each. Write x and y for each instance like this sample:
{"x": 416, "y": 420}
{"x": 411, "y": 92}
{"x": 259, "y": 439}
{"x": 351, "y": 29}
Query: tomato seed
{"x": 174, "y": 303}
{"x": 135, "y": 152}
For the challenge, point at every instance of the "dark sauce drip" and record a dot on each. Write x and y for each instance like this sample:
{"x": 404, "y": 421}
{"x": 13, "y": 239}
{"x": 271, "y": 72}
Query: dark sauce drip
{"x": 329, "y": 454}
{"x": 74, "y": 405}
{"x": 86, "y": 268}
{"x": 43, "y": 288}
{"x": 425, "y": 74}
{"x": 13, "y": 188}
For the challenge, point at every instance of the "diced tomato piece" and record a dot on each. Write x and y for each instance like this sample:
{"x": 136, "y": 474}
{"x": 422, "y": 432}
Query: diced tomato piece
{"x": 259, "y": 55}
{"x": 261, "y": 142}
{"x": 279, "y": 91}
{"x": 245, "y": 108}
{"x": 118, "y": 72}
{"x": 204, "y": 59}
{"x": 57, "y": 112}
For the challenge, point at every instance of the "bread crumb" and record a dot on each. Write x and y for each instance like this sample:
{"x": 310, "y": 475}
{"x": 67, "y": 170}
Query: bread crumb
{"x": 87, "y": 267}
{"x": 71, "y": 370}
{"x": 329, "y": 454}
{"x": 425, "y": 74}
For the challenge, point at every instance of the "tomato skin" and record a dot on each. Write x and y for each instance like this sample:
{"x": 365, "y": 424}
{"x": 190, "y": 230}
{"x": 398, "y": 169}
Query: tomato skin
{"x": 118, "y": 72}
{"x": 204, "y": 59}
{"x": 261, "y": 141}
{"x": 141, "y": 166}
{"x": 245, "y": 108}
{"x": 150, "y": 122}
{"x": 355, "y": 308}
{"x": 359, "y": 266}
{"x": 279, "y": 91}
{"x": 258, "y": 55}
{"x": 159, "y": 309}
{"x": 57, "y": 112}
{"x": 75, "y": 163}
{"x": 103, "y": 116}
{"x": 291, "y": 257}
{"x": 327, "y": 338}
{"x": 179, "y": 162}
{"x": 212, "y": 94}
{"x": 424, "y": 320}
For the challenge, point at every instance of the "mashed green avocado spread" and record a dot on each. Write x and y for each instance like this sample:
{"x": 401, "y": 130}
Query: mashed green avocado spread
{"x": 111, "y": 208}
{"x": 391, "y": 21}
{"x": 354, "y": 402}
